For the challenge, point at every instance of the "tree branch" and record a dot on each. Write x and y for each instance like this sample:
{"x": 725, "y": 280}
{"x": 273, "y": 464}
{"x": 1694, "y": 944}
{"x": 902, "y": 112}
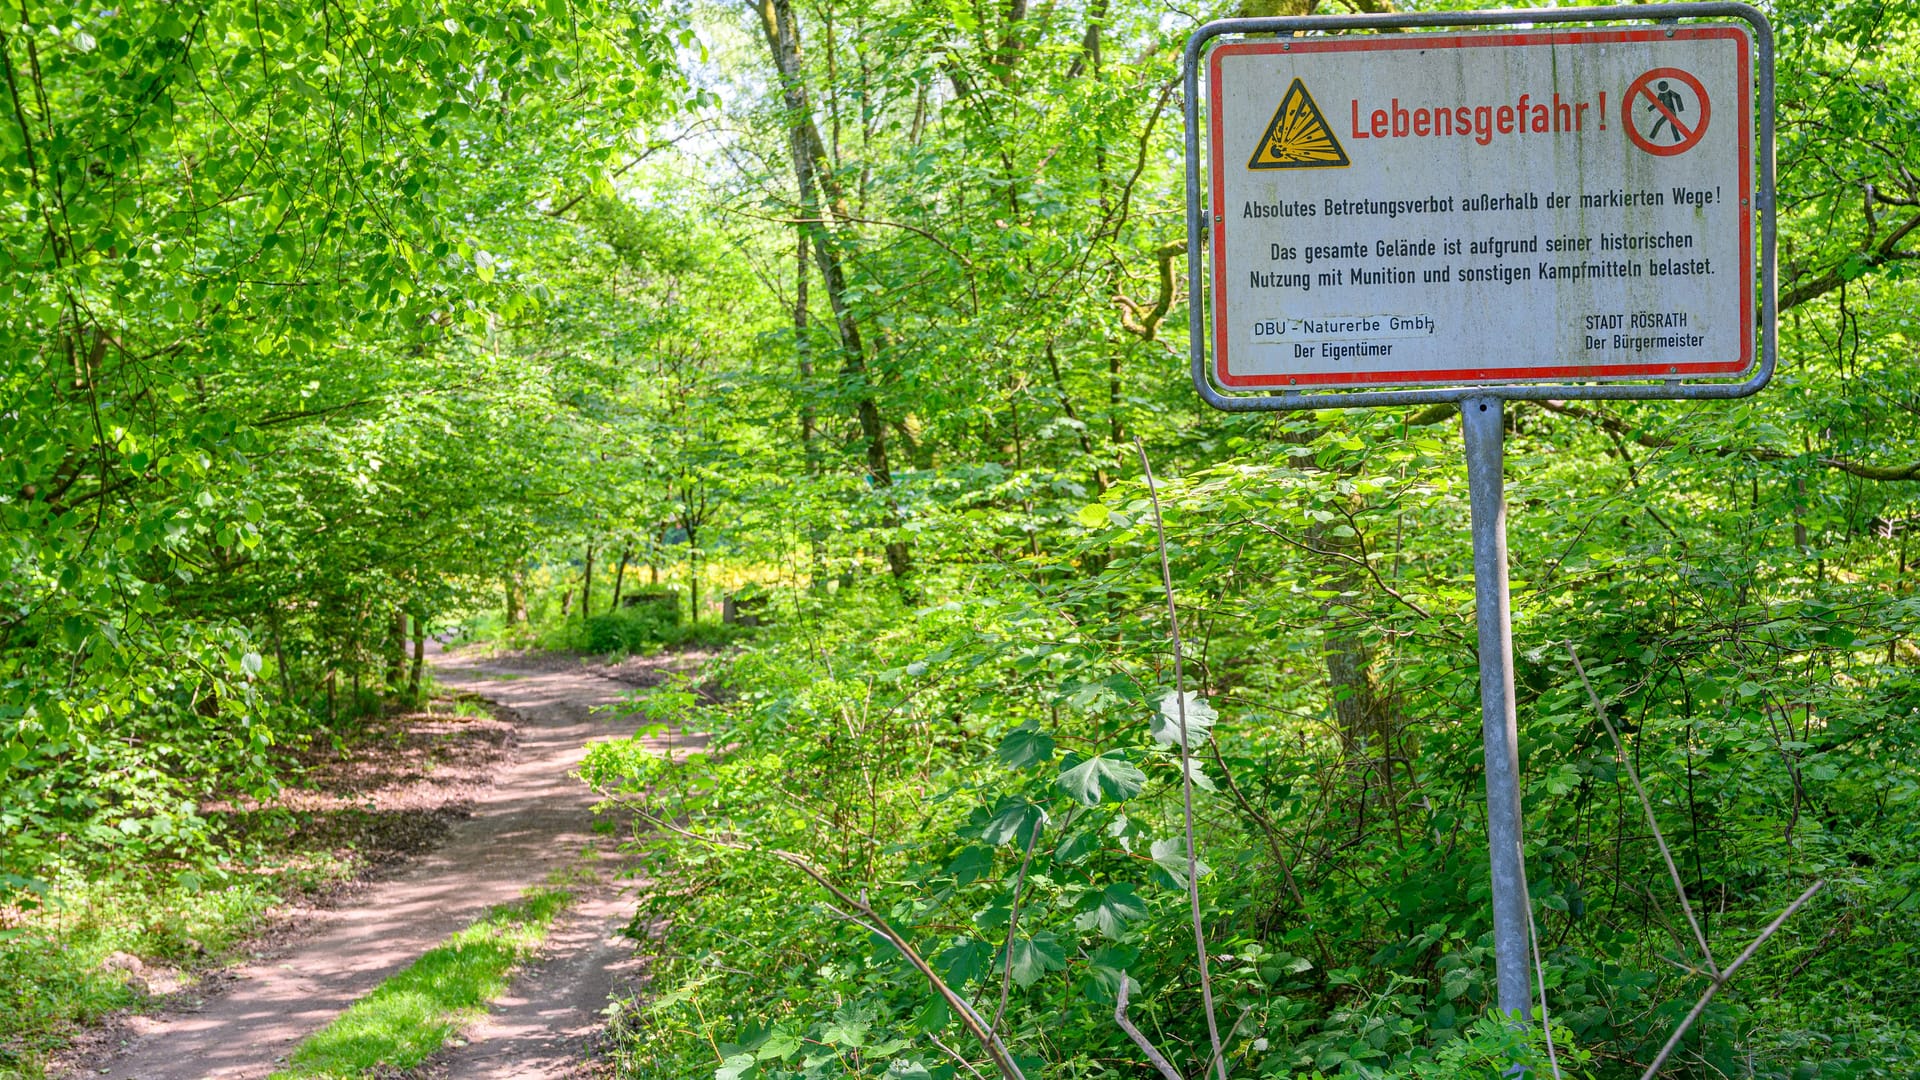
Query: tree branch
{"x": 866, "y": 917}
{"x": 1141, "y": 319}
{"x": 1614, "y": 425}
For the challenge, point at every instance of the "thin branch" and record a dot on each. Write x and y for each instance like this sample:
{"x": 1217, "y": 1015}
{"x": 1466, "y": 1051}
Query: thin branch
{"x": 1614, "y": 425}
{"x": 954, "y": 1054}
{"x": 1722, "y": 979}
{"x": 1364, "y": 564}
{"x": 1870, "y": 256}
{"x": 1186, "y": 763}
{"x": 1647, "y": 805}
{"x": 867, "y": 918}
{"x": 652, "y": 149}
{"x": 1013, "y": 923}
{"x": 1232, "y": 1033}
{"x": 850, "y": 219}
{"x": 1140, "y": 1040}
{"x": 1539, "y": 970}
{"x": 1143, "y": 319}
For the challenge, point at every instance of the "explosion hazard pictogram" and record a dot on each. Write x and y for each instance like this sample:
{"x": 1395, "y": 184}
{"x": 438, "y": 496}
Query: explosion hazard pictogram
{"x": 1298, "y": 137}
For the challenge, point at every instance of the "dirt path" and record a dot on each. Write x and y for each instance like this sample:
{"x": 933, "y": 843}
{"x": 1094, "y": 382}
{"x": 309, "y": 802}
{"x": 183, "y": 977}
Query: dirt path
{"x": 535, "y": 819}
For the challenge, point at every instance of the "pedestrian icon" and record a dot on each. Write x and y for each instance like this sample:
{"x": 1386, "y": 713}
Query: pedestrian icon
{"x": 1667, "y": 103}
{"x": 1666, "y": 111}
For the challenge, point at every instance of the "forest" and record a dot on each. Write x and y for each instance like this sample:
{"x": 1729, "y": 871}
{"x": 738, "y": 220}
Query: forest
{"x": 835, "y": 340}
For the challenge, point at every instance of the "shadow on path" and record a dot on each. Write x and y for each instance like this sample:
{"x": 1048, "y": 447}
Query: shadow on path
{"x": 535, "y": 819}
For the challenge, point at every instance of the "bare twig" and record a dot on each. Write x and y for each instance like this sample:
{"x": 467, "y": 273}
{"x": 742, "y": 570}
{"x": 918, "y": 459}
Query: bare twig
{"x": 1144, "y": 319}
{"x": 1646, "y": 804}
{"x": 1723, "y": 978}
{"x": 1539, "y": 971}
{"x": 1363, "y": 564}
{"x": 1158, "y": 1059}
{"x": 1186, "y": 765}
{"x": 954, "y": 1054}
{"x": 1013, "y": 923}
{"x": 861, "y": 913}
{"x": 1716, "y": 977}
{"x": 1232, "y": 1033}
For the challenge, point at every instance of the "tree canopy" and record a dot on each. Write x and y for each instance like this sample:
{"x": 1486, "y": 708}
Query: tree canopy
{"x": 325, "y": 327}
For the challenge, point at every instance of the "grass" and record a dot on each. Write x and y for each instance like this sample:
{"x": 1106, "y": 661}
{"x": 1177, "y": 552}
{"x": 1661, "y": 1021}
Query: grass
{"x": 412, "y": 1014}
{"x": 58, "y": 965}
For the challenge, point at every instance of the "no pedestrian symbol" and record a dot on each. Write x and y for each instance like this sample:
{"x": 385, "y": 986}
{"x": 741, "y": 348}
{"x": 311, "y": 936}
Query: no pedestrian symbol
{"x": 1666, "y": 111}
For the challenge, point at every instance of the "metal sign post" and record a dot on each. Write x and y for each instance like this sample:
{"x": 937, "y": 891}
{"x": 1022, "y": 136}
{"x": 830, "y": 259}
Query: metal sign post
{"x": 1483, "y": 419}
{"x": 1550, "y": 212}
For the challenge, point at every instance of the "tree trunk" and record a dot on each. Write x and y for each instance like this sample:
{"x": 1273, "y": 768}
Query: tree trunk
{"x": 620, "y": 577}
{"x": 286, "y": 673}
{"x": 803, "y": 349}
{"x": 419, "y": 658}
{"x": 516, "y": 599}
{"x": 586, "y": 588}
{"x": 397, "y": 649}
{"x": 693, "y": 577}
{"x": 811, "y": 174}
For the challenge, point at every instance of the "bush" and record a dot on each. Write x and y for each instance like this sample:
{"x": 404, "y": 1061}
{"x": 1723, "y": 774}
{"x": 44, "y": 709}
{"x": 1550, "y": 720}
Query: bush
{"x": 659, "y": 600}
{"x": 644, "y": 626}
{"x": 631, "y": 629}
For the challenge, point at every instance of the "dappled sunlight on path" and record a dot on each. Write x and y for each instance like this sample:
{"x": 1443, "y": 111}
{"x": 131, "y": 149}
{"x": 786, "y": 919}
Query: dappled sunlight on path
{"x": 534, "y": 821}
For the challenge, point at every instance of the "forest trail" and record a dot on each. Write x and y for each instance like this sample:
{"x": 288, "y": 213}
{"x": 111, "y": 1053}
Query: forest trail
{"x": 536, "y": 819}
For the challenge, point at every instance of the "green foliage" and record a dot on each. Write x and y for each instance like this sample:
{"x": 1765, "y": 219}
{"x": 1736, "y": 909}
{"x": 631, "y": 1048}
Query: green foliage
{"x": 630, "y": 629}
{"x": 253, "y": 408}
{"x": 69, "y": 958}
{"x": 321, "y": 333}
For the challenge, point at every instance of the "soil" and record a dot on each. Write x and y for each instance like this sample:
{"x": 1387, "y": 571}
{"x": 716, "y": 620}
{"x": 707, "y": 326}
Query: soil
{"x": 469, "y": 813}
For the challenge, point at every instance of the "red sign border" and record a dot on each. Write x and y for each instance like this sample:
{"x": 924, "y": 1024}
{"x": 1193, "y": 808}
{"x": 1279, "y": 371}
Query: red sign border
{"x": 1631, "y": 98}
{"x": 1483, "y": 375}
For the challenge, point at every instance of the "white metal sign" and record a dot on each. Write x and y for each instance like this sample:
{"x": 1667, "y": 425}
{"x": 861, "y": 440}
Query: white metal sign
{"x": 1553, "y": 204}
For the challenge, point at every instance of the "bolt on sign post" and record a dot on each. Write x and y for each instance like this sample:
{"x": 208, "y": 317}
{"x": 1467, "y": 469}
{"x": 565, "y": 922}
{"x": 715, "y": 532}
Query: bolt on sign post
{"x": 1474, "y": 207}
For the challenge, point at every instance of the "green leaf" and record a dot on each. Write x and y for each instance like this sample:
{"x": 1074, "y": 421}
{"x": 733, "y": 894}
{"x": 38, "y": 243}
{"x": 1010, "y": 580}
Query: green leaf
{"x": 1025, "y": 747}
{"x": 934, "y": 1016}
{"x": 782, "y": 1043}
{"x": 1108, "y": 963}
{"x": 734, "y": 1068}
{"x": 1199, "y": 775}
{"x": 1093, "y": 515}
{"x": 1016, "y": 820}
{"x": 961, "y": 964}
{"x": 1170, "y": 855}
{"x": 1035, "y": 956}
{"x": 1109, "y": 776}
{"x": 973, "y": 863}
{"x": 849, "y": 1026}
{"x": 1118, "y": 905}
{"x": 1199, "y": 717}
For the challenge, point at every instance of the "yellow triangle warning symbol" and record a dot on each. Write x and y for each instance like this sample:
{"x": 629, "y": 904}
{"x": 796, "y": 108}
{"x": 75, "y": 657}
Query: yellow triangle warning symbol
{"x": 1298, "y": 136}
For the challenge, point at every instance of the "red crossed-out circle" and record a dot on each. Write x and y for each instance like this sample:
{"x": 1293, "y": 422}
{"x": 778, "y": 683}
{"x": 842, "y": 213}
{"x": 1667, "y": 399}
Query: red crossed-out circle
{"x": 1640, "y": 92}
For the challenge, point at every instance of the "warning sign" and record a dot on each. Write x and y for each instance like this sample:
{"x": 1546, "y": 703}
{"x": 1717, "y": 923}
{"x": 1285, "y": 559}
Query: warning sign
{"x": 1298, "y": 137}
{"x": 1553, "y": 204}
{"x": 1666, "y": 100}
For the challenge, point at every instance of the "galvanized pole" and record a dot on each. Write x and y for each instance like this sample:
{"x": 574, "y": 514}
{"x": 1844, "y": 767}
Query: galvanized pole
{"x": 1486, "y": 488}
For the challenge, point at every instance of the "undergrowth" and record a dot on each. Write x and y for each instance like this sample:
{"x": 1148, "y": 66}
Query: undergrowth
{"x": 994, "y": 776}
{"x": 89, "y": 946}
{"x": 182, "y": 894}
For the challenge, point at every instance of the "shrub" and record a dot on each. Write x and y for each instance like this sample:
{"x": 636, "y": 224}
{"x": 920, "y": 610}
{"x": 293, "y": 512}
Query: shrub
{"x": 630, "y": 629}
